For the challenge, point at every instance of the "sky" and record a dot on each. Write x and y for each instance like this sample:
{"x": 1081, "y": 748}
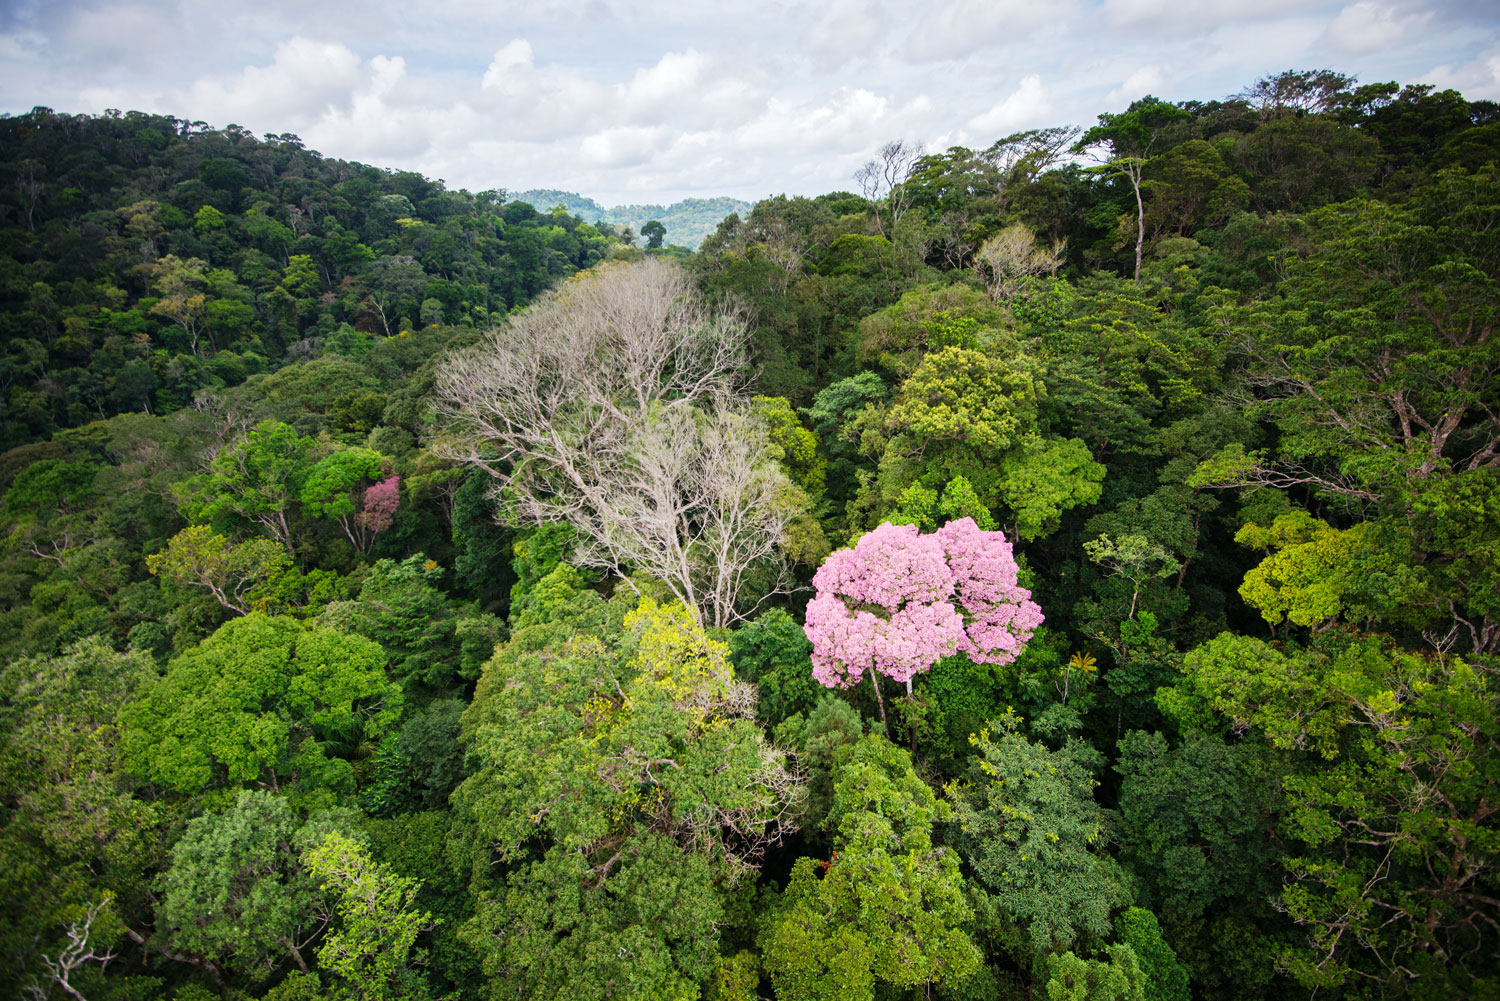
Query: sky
{"x": 649, "y": 102}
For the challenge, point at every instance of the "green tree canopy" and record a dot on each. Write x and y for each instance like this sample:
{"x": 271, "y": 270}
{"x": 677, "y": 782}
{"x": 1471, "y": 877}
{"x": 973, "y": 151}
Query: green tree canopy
{"x": 889, "y": 907}
{"x": 264, "y": 699}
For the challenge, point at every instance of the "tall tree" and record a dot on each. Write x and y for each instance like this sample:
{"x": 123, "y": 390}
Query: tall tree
{"x": 1131, "y": 138}
{"x": 615, "y": 405}
{"x": 889, "y": 908}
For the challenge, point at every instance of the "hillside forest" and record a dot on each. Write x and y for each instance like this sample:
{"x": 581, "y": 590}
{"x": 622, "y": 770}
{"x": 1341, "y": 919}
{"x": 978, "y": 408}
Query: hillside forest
{"x": 684, "y": 223}
{"x": 1067, "y": 570}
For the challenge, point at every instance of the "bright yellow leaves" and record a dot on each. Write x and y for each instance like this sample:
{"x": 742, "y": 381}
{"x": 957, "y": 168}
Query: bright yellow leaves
{"x": 675, "y": 658}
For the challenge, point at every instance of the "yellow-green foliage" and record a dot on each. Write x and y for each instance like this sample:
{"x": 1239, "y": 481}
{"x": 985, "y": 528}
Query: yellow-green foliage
{"x": 1307, "y": 578}
{"x": 961, "y": 396}
{"x": 736, "y": 978}
{"x": 798, "y": 447}
{"x": 584, "y": 742}
{"x": 675, "y": 657}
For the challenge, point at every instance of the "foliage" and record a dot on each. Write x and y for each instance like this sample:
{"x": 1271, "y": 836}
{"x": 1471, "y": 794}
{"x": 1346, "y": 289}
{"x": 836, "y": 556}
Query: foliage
{"x": 798, "y": 446}
{"x": 1386, "y": 823}
{"x": 642, "y": 929}
{"x": 371, "y": 946}
{"x": 920, "y": 506}
{"x": 1026, "y": 820}
{"x": 897, "y": 337}
{"x": 264, "y": 699}
{"x": 1194, "y": 821}
{"x": 888, "y": 908}
{"x": 1042, "y": 479}
{"x": 1317, "y": 572}
{"x": 261, "y": 613}
{"x": 772, "y": 652}
{"x": 1166, "y": 979}
{"x": 236, "y": 896}
{"x": 583, "y": 746}
{"x": 254, "y": 480}
{"x": 237, "y": 575}
{"x": 962, "y": 396}
{"x": 73, "y": 829}
{"x": 352, "y": 486}
{"x": 1118, "y": 978}
{"x": 430, "y": 638}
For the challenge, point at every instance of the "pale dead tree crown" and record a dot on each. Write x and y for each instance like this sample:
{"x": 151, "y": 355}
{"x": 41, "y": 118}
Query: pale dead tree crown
{"x": 1011, "y": 257}
{"x": 616, "y": 404}
{"x": 883, "y": 180}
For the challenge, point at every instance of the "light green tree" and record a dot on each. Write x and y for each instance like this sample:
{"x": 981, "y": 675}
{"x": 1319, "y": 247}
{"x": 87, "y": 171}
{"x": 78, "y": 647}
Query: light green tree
{"x": 264, "y": 699}
{"x": 1117, "y": 978}
{"x": 236, "y": 574}
{"x": 889, "y": 908}
{"x": 255, "y": 479}
{"x": 1134, "y": 558}
{"x": 1166, "y": 978}
{"x": 370, "y": 946}
{"x": 1045, "y": 477}
{"x": 1313, "y": 572}
{"x": 334, "y": 488}
{"x": 662, "y": 737}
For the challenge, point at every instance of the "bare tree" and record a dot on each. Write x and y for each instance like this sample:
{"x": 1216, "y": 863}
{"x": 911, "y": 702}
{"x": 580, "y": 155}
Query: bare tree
{"x": 614, "y": 405}
{"x": 1010, "y": 257}
{"x": 884, "y": 180}
{"x": 76, "y": 955}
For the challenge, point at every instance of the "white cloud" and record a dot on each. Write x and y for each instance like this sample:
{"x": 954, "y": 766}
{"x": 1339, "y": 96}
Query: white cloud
{"x": 961, "y": 28}
{"x": 512, "y": 62}
{"x": 1174, "y": 14}
{"x": 843, "y": 115}
{"x": 624, "y": 147}
{"x": 306, "y": 78}
{"x": 1367, "y": 26}
{"x": 848, "y": 30}
{"x": 649, "y": 100}
{"x": 1477, "y": 79}
{"x": 1146, "y": 80}
{"x": 1027, "y": 105}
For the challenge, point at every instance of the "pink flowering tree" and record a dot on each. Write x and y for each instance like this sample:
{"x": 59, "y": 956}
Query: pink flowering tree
{"x": 901, "y": 599}
{"x": 999, "y": 615}
{"x": 378, "y": 509}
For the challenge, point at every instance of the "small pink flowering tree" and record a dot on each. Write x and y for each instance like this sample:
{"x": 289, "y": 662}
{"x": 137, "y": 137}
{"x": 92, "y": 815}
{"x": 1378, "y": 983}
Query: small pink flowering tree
{"x": 899, "y": 600}
{"x": 378, "y": 509}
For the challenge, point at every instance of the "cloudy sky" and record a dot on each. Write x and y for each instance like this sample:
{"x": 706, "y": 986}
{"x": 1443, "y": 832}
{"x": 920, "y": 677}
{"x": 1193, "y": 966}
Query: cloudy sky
{"x": 653, "y": 101}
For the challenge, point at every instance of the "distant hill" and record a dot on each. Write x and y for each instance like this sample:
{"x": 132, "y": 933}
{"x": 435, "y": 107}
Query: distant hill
{"x": 687, "y": 221}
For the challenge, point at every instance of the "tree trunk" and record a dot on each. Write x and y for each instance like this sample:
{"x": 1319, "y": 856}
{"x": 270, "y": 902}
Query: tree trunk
{"x": 1140, "y": 216}
{"x": 296, "y": 954}
{"x": 884, "y": 726}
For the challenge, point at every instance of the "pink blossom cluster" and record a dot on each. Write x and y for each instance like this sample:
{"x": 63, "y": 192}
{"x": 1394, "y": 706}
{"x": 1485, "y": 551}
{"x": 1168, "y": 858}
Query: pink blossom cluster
{"x": 999, "y": 615}
{"x": 380, "y": 503}
{"x": 899, "y": 600}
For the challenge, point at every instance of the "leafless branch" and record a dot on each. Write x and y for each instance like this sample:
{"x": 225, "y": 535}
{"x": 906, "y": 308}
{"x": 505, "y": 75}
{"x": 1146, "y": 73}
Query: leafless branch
{"x": 614, "y": 405}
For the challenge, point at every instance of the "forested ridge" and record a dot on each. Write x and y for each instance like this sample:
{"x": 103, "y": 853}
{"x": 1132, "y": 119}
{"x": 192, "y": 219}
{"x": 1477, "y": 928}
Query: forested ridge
{"x": 1068, "y": 569}
{"x": 684, "y": 223}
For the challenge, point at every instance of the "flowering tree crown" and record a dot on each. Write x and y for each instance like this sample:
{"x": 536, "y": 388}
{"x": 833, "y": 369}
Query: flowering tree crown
{"x": 900, "y": 599}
